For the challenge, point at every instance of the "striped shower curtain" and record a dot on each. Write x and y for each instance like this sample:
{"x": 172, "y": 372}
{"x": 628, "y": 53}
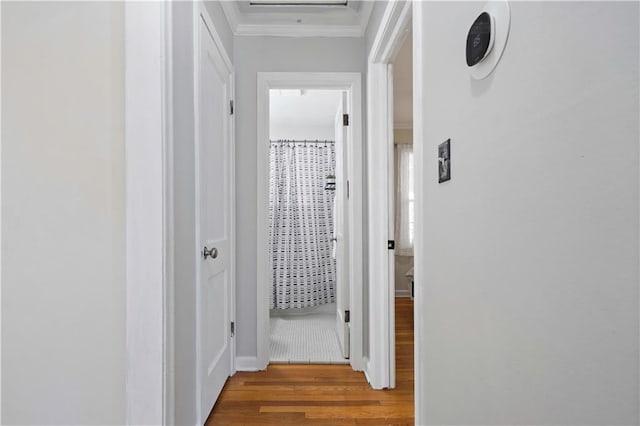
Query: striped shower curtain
{"x": 301, "y": 224}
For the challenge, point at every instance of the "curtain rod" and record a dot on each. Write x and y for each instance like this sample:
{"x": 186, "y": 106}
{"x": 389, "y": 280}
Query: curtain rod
{"x": 288, "y": 141}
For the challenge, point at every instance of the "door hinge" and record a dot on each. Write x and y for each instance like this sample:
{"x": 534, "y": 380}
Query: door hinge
{"x": 230, "y": 107}
{"x": 345, "y": 119}
{"x": 347, "y": 316}
{"x": 233, "y": 328}
{"x": 391, "y": 245}
{"x": 347, "y": 190}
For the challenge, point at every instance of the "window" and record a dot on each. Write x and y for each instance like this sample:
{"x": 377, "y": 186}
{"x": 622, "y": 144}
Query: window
{"x": 405, "y": 200}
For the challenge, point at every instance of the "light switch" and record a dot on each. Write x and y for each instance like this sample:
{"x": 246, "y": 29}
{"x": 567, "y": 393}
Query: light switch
{"x": 444, "y": 161}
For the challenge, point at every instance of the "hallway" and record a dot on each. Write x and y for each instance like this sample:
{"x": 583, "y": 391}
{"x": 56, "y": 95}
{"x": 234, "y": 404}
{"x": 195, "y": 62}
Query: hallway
{"x": 322, "y": 394}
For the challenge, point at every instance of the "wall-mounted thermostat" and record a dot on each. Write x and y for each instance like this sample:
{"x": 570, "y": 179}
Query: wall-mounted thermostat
{"x": 487, "y": 38}
{"x": 480, "y": 38}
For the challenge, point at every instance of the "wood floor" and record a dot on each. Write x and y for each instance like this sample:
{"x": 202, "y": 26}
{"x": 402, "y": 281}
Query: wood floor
{"x": 322, "y": 394}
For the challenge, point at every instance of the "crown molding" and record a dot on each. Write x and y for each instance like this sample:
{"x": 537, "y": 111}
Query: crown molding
{"x": 242, "y": 25}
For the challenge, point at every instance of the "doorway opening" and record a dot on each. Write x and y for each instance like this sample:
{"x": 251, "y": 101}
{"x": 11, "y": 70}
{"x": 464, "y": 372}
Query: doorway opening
{"x": 402, "y": 210}
{"x": 307, "y": 247}
{"x": 347, "y": 139}
{"x": 393, "y": 209}
{"x": 403, "y": 173}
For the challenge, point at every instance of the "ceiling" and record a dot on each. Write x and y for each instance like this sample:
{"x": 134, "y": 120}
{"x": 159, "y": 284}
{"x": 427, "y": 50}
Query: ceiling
{"x": 403, "y": 86}
{"x": 297, "y": 20}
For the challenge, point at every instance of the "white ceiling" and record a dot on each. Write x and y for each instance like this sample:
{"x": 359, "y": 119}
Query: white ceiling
{"x": 403, "y": 86}
{"x": 268, "y": 20}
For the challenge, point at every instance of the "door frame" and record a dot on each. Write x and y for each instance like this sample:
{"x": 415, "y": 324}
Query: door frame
{"x": 351, "y": 83}
{"x": 391, "y": 33}
{"x": 148, "y": 213}
{"x": 201, "y": 12}
{"x": 149, "y": 208}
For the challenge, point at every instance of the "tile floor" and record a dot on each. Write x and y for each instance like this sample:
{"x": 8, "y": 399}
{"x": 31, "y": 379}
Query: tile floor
{"x": 305, "y": 339}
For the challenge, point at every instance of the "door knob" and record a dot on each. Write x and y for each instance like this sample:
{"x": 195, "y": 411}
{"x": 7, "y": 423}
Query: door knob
{"x": 212, "y": 253}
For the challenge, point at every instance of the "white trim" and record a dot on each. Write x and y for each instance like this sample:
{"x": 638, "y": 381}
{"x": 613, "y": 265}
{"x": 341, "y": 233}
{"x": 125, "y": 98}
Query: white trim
{"x": 196, "y": 176}
{"x": 419, "y": 65}
{"x": 1, "y": 222}
{"x": 146, "y": 176}
{"x": 389, "y": 38}
{"x": 262, "y": 237}
{"x": 232, "y": 219}
{"x": 350, "y": 82}
{"x": 247, "y": 363}
{"x": 391, "y": 32}
{"x": 200, "y": 12}
{"x": 390, "y": 213}
{"x": 271, "y": 25}
{"x": 169, "y": 220}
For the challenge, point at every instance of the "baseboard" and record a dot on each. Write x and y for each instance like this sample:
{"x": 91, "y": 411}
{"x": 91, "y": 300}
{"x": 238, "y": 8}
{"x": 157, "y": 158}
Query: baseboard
{"x": 247, "y": 363}
{"x": 366, "y": 369}
{"x": 403, "y": 293}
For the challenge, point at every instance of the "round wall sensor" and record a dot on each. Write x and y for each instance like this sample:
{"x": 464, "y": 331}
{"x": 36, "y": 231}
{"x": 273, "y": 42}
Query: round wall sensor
{"x": 487, "y": 38}
{"x": 480, "y": 39}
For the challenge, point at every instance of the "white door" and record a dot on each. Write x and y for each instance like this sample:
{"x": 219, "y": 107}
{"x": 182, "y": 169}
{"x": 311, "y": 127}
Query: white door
{"x": 340, "y": 225}
{"x": 214, "y": 193}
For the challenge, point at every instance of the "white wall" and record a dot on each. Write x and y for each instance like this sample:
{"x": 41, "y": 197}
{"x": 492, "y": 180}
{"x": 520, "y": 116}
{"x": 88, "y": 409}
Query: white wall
{"x": 184, "y": 201}
{"x": 301, "y": 132}
{"x": 263, "y": 54}
{"x": 529, "y": 288}
{"x": 63, "y": 276}
{"x": 310, "y": 116}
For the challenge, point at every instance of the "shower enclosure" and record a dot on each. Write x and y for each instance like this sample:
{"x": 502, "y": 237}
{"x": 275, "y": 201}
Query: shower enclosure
{"x": 301, "y": 214}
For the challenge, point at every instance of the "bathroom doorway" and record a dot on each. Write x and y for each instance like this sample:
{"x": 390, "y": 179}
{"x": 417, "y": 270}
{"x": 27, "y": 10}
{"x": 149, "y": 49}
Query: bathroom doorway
{"x": 342, "y": 125}
{"x": 307, "y": 201}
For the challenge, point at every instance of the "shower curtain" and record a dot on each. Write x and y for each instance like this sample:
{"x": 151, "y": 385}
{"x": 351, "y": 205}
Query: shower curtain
{"x": 301, "y": 224}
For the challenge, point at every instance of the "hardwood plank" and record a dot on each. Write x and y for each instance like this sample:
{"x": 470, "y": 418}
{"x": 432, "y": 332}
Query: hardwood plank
{"x": 305, "y": 403}
{"x": 332, "y": 395}
{"x": 297, "y": 382}
{"x": 337, "y": 412}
